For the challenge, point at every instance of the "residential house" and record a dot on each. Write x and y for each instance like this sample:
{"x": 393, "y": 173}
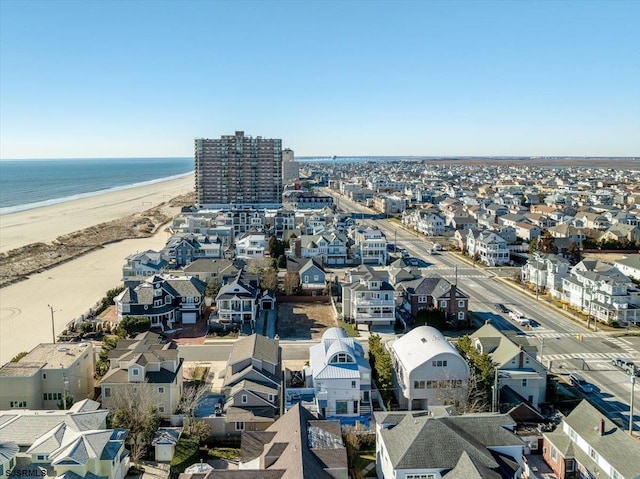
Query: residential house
{"x": 428, "y": 369}
{"x": 368, "y": 298}
{"x": 546, "y": 271}
{"x": 527, "y": 231}
{"x": 430, "y": 224}
{"x": 222, "y": 270}
{"x": 602, "y": 291}
{"x": 622, "y": 232}
{"x": 307, "y": 274}
{"x": 629, "y": 265}
{"x": 296, "y": 446}
{"x": 389, "y": 204}
{"x": 70, "y": 444}
{"x": 567, "y": 230}
{"x": 587, "y": 444}
{"x": 163, "y": 299}
{"x": 237, "y": 301}
{"x": 341, "y": 376}
{"x": 330, "y": 247}
{"x": 370, "y": 245}
{"x": 251, "y": 245}
{"x": 517, "y": 364}
{"x": 435, "y": 293}
{"x": 38, "y": 380}
{"x": 147, "y": 362}
{"x": 418, "y": 445}
{"x": 490, "y": 248}
{"x": 252, "y": 384}
{"x": 142, "y": 265}
{"x": 8, "y": 452}
{"x": 183, "y": 248}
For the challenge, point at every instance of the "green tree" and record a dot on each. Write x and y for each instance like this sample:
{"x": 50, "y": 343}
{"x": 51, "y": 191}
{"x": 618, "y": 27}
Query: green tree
{"x": 133, "y": 325}
{"x": 200, "y": 430}
{"x": 109, "y": 296}
{"x": 534, "y": 246}
{"x": 135, "y": 407}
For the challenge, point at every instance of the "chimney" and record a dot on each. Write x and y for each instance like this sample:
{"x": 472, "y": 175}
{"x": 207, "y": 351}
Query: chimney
{"x": 601, "y": 426}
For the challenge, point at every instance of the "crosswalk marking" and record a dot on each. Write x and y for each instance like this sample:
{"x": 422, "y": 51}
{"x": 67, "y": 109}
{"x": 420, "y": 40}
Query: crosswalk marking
{"x": 552, "y": 334}
{"x": 625, "y": 345}
{"x": 555, "y": 357}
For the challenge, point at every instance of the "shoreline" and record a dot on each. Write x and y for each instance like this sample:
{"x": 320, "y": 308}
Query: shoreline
{"x": 73, "y": 284}
{"x": 45, "y": 224}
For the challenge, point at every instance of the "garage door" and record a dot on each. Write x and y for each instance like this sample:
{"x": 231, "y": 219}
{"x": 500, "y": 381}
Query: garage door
{"x": 189, "y": 318}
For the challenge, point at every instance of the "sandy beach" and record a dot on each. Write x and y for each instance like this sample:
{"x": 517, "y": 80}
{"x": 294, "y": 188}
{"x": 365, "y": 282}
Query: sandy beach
{"x": 47, "y": 223}
{"x": 71, "y": 288}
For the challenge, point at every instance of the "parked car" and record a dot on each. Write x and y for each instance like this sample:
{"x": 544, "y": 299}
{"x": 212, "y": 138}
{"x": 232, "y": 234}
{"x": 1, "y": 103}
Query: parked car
{"x": 627, "y": 366}
{"x": 502, "y": 308}
{"x": 405, "y": 254}
{"x": 579, "y": 382}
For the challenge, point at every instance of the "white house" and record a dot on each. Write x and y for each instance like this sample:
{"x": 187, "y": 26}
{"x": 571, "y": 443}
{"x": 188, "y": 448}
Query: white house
{"x": 546, "y": 271}
{"x": 370, "y": 245}
{"x": 341, "y": 375}
{"x": 491, "y": 249}
{"x": 251, "y": 245}
{"x": 430, "y": 224}
{"x": 429, "y": 370}
{"x": 368, "y": 298}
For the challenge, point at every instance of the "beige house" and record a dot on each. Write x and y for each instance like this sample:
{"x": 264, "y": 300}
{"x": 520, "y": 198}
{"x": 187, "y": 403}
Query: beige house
{"x": 148, "y": 361}
{"x": 39, "y": 379}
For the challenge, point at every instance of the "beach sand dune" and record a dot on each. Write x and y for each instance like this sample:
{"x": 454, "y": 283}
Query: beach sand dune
{"x": 47, "y": 223}
{"x": 71, "y": 288}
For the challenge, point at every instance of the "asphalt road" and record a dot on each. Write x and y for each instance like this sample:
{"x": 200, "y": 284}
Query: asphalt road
{"x": 556, "y": 335}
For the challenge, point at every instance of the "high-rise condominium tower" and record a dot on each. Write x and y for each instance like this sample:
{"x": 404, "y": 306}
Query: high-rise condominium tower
{"x": 238, "y": 170}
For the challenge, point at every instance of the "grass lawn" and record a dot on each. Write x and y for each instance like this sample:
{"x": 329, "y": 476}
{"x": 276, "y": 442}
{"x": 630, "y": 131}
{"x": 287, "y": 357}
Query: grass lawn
{"x": 363, "y": 459}
{"x": 227, "y": 453}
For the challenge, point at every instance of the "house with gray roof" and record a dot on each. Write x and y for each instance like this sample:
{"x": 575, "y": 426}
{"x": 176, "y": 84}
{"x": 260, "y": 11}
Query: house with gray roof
{"x": 296, "y": 446}
{"x": 142, "y": 265}
{"x": 252, "y": 384}
{"x": 73, "y": 443}
{"x": 163, "y": 299}
{"x": 435, "y": 293}
{"x": 331, "y": 247}
{"x": 517, "y": 364}
{"x": 490, "y": 248}
{"x": 222, "y": 270}
{"x": 341, "y": 376}
{"x": 587, "y": 444}
{"x": 368, "y": 297}
{"x": 147, "y": 361}
{"x": 629, "y": 265}
{"x": 237, "y": 301}
{"x": 410, "y": 444}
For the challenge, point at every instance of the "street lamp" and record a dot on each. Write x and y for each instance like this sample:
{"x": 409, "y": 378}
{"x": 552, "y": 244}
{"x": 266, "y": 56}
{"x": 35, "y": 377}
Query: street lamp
{"x": 53, "y": 326}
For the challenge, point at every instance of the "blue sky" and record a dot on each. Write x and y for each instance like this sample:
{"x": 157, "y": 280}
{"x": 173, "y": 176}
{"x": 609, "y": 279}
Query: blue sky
{"x": 143, "y": 78}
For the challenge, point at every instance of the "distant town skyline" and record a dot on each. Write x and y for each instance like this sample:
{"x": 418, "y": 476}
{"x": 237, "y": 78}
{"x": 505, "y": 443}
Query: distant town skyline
{"x": 143, "y": 79}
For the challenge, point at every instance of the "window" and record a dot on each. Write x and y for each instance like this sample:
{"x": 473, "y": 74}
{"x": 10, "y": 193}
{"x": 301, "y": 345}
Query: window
{"x": 135, "y": 371}
{"x": 44, "y": 376}
{"x": 270, "y": 397}
{"x": 353, "y": 384}
{"x": 422, "y": 299}
{"x": 524, "y": 383}
{"x": 244, "y": 399}
{"x": 160, "y": 389}
{"x": 18, "y": 404}
{"x": 341, "y": 407}
{"x": 593, "y": 454}
{"x": 107, "y": 392}
{"x": 419, "y": 384}
{"x": 571, "y": 465}
{"x": 554, "y": 453}
{"x": 443, "y": 304}
{"x": 460, "y": 315}
{"x": 41, "y": 457}
{"x": 161, "y": 409}
{"x": 239, "y": 425}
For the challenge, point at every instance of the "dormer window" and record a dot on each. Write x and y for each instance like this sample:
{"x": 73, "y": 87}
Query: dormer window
{"x": 341, "y": 358}
{"x": 135, "y": 372}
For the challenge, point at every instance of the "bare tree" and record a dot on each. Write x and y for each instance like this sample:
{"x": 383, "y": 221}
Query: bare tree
{"x": 192, "y": 397}
{"x": 452, "y": 390}
{"x": 135, "y": 407}
{"x": 477, "y": 399}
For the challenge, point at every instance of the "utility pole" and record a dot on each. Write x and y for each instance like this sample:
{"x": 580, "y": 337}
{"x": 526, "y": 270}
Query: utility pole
{"x": 495, "y": 392}
{"x": 633, "y": 385}
{"x": 53, "y": 326}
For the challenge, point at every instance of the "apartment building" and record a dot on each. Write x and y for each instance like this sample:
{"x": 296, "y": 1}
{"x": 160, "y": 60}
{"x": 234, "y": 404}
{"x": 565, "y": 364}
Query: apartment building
{"x": 39, "y": 379}
{"x": 238, "y": 169}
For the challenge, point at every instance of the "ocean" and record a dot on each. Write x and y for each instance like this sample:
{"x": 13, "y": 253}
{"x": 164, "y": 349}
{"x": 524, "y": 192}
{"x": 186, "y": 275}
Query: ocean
{"x": 27, "y": 184}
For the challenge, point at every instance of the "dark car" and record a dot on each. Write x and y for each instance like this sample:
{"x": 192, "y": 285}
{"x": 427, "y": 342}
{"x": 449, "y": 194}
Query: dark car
{"x": 502, "y": 307}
